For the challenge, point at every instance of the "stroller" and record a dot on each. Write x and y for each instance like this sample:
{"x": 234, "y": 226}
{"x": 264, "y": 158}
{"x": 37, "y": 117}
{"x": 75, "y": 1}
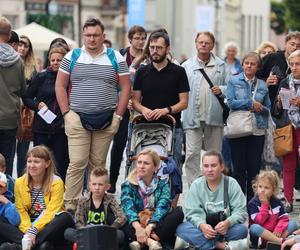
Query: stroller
{"x": 159, "y": 136}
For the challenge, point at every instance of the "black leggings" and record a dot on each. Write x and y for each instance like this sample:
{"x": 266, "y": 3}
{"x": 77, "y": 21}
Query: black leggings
{"x": 165, "y": 230}
{"x": 53, "y": 232}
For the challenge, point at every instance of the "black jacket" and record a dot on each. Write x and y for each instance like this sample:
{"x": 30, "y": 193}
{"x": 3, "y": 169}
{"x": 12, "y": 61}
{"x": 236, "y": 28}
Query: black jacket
{"x": 42, "y": 89}
{"x": 269, "y": 61}
{"x": 280, "y": 116}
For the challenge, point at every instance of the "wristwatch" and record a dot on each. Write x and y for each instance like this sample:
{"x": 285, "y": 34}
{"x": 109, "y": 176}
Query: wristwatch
{"x": 169, "y": 109}
{"x": 119, "y": 117}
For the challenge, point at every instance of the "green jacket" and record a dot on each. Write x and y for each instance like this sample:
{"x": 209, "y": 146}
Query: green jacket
{"x": 201, "y": 201}
{"x": 12, "y": 86}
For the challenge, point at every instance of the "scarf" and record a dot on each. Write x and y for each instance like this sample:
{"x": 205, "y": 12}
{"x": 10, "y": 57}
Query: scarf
{"x": 147, "y": 192}
{"x": 294, "y": 112}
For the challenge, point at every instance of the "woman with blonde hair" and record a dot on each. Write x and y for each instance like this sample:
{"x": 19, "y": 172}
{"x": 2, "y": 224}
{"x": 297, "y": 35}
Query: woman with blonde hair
{"x": 39, "y": 201}
{"x": 24, "y": 133}
{"x": 41, "y": 95}
{"x": 266, "y": 48}
{"x": 144, "y": 190}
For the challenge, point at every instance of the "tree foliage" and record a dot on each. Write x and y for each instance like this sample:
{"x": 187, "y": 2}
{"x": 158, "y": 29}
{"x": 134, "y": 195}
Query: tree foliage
{"x": 292, "y": 14}
{"x": 278, "y": 23}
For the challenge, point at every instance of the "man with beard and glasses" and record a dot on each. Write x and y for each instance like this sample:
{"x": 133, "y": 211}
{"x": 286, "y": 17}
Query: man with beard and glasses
{"x": 161, "y": 88}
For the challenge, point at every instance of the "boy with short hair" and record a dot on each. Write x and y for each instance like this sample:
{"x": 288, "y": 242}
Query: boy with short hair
{"x": 98, "y": 207}
{"x": 10, "y": 180}
{"x": 8, "y": 211}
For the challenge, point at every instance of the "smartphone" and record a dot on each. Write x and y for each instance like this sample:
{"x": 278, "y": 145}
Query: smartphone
{"x": 273, "y": 246}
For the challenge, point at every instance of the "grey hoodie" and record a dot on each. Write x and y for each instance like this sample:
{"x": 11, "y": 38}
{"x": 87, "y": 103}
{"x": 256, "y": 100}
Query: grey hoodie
{"x": 12, "y": 86}
{"x": 8, "y": 56}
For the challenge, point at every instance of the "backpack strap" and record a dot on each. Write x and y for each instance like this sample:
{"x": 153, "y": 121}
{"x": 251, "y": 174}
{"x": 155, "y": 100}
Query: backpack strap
{"x": 226, "y": 196}
{"x": 74, "y": 57}
{"x": 112, "y": 57}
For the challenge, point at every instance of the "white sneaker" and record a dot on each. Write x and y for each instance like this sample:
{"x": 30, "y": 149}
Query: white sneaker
{"x": 242, "y": 244}
{"x": 135, "y": 245}
{"x": 180, "y": 244}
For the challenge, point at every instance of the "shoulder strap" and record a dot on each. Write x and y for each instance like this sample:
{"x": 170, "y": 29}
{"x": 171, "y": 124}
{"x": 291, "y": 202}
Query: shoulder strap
{"x": 112, "y": 57}
{"x": 255, "y": 89}
{"x": 219, "y": 97}
{"x": 74, "y": 57}
{"x": 226, "y": 196}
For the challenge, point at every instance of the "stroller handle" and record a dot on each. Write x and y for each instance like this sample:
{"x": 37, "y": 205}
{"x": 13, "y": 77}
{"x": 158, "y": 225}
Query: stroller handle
{"x": 168, "y": 117}
{"x": 134, "y": 158}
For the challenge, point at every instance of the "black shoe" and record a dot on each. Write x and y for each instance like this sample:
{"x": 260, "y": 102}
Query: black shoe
{"x": 10, "y": 246}
{"x": 47, "y": 245}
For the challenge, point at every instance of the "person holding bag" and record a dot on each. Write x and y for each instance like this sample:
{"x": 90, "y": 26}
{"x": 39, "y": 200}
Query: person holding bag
{"x": 245, "y": 92}
{"x": 284, "y": 117}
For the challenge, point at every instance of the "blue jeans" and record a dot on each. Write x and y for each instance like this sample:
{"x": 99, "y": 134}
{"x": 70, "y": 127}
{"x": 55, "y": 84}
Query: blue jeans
{"x": 256, "y": 230}
{"x": 194, "y": 236}
{"x": 177, "y": 154}
{"x": 226, "y": 153}
{"x": 7, "y": 142}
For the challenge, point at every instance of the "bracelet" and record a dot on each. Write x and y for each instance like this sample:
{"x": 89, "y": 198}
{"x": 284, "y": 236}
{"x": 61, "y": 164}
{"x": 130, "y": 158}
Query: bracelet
{"x": 169, "y": 109}
{"x": 66, "y": 113}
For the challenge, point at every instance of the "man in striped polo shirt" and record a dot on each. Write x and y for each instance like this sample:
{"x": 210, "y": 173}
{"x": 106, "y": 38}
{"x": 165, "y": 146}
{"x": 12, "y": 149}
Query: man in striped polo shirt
{"x": 94, "y": 89}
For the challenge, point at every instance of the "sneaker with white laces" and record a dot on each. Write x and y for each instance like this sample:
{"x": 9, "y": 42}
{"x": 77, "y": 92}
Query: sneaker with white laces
{"x": 181, "y": 244}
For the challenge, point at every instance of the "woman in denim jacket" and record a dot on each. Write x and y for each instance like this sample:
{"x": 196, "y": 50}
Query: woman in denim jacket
{"x": 247, "y": 151}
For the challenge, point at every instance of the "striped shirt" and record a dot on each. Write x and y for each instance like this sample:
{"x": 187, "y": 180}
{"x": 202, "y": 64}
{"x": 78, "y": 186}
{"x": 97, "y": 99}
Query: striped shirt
{"x": 94, "y": 81}
{"x": 38, "y": 206}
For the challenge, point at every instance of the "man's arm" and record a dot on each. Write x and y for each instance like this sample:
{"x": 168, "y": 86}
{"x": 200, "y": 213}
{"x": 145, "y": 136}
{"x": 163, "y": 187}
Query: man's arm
{"x": 61, "y": 85}
{"x": 125, "y": 85}
{"x": 136, "y": 101}
{"x": 181, "y": 105}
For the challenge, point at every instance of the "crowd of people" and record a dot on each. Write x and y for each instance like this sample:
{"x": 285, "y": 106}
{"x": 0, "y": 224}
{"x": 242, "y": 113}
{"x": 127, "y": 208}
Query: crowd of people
{"x": 84, "y": 100}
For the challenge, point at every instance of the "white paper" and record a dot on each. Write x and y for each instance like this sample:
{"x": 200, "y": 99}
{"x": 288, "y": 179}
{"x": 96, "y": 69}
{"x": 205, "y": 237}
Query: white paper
{"x": 286, "y": 95}
{"x": 47, "y": 114}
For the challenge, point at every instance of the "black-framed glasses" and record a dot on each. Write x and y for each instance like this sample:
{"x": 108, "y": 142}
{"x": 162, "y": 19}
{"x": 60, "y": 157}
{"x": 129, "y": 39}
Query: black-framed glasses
{"x": 158, "y": 48}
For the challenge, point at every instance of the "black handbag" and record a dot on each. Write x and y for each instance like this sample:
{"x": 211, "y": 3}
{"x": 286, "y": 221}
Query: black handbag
{"x": 98, "y": 121}
{"x": 97, "y": 237}
{"x": 214, "y": 218}
{"x": 220, "y": 97}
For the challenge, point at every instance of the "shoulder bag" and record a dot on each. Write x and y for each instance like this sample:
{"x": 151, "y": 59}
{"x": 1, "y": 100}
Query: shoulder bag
{"x": 283, "y": 140}
{"x": 240, "y": 122}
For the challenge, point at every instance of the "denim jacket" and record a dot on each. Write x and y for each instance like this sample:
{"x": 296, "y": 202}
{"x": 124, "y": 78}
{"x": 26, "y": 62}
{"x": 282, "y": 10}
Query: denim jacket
{"x": 132, "y": 202}
{"x": 191, "y": 116}
{"x": 239, "y": 97}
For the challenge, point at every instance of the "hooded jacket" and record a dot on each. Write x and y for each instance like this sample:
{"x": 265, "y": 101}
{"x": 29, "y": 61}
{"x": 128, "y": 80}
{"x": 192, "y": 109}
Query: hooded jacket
{"x": 12, "y": 86}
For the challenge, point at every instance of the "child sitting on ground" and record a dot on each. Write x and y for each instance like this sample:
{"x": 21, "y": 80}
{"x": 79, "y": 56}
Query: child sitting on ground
{"x": 8, "y": 211}
{"x": 98, "y": 208}
{"x": 268, "y": 219}
{"x": 10, "y": 180}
